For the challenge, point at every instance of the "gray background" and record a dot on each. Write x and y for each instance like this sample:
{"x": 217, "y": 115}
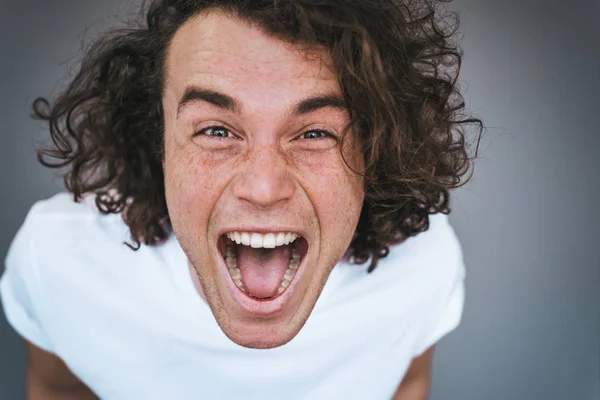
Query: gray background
{"x": 528, "y": 221}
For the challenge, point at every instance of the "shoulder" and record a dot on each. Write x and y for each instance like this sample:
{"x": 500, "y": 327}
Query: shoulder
{"x": 65, "y": 255}
{"x": 64, "y": 241}
{"x": 45, "y": 244}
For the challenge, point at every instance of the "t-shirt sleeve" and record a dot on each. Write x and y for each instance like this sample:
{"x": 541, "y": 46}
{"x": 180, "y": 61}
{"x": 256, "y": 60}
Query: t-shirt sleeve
{"x": 449, "y": 296}
{"x": 18, "y": 288}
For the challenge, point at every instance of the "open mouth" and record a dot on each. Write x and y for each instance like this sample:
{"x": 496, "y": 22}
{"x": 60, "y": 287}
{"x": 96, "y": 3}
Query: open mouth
{"x": 262, "y": 266}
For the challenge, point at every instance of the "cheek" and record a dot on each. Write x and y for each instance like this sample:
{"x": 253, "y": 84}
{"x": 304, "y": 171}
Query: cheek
{"x": 337, "y": 194}
{"x": 344, "y": 202}
{"x": 339, "y": 210}
{"x": 192, "y": 187}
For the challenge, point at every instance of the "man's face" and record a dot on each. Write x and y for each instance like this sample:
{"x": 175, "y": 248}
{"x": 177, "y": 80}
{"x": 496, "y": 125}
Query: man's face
{"x": 250, "y": 157}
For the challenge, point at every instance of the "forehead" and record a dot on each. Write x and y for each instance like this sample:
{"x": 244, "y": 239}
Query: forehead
{"x": 214, "y": 48}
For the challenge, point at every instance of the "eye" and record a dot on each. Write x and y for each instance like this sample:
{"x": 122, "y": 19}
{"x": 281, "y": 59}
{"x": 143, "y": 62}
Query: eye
{"x": 316, "y": 134}
{"x": 215, "y": 131}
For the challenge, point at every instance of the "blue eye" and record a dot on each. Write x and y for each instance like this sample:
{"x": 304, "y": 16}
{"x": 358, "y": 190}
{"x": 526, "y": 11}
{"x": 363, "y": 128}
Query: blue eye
{"x": 316, "y": 134}
{"x": 215, "y": 131}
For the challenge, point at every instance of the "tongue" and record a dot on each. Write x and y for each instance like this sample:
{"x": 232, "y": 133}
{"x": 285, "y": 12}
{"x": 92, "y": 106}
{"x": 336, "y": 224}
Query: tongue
{"x": 263, "y": 269}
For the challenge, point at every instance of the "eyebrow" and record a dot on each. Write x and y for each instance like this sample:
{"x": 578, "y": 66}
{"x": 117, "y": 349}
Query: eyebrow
{"x": 228, "y": 103}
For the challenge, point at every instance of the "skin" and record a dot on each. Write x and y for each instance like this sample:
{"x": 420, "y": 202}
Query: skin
{"x": 416, "y": 383}
{"x": 49, "y": 378}
{"x": 264, "y": 172}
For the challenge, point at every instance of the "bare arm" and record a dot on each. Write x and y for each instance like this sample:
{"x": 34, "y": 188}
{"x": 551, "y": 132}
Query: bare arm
{"x": 48, "y": 378}
{"x": 416, "y": 383}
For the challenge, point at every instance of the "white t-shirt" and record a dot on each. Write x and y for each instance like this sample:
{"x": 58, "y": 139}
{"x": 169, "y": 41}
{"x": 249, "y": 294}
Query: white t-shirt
{"x": 131, "y": 325}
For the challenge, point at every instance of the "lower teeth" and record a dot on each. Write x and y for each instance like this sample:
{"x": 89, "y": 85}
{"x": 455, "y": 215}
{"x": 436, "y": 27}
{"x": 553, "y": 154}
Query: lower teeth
{"x": 236, "y": 274}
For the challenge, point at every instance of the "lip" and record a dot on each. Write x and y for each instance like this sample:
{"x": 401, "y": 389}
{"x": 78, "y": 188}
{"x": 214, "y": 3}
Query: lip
{"x": 259, "y": 308}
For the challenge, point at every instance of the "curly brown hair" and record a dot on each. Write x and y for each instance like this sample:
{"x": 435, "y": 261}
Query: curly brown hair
{"x": 397, "y": 64}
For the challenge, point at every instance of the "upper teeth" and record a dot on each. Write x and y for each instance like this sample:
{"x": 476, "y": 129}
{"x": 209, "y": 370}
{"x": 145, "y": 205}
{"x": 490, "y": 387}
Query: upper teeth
{"x": 258, "y": 240}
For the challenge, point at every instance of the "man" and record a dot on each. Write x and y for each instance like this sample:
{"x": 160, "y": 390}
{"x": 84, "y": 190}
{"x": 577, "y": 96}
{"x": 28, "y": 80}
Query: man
{"x": 249, "y": 154}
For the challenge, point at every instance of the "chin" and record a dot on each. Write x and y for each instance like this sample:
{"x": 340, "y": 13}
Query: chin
{"x": 260, "y": 337}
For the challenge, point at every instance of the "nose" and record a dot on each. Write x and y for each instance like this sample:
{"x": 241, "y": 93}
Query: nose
{"x": 264, "y": 180}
